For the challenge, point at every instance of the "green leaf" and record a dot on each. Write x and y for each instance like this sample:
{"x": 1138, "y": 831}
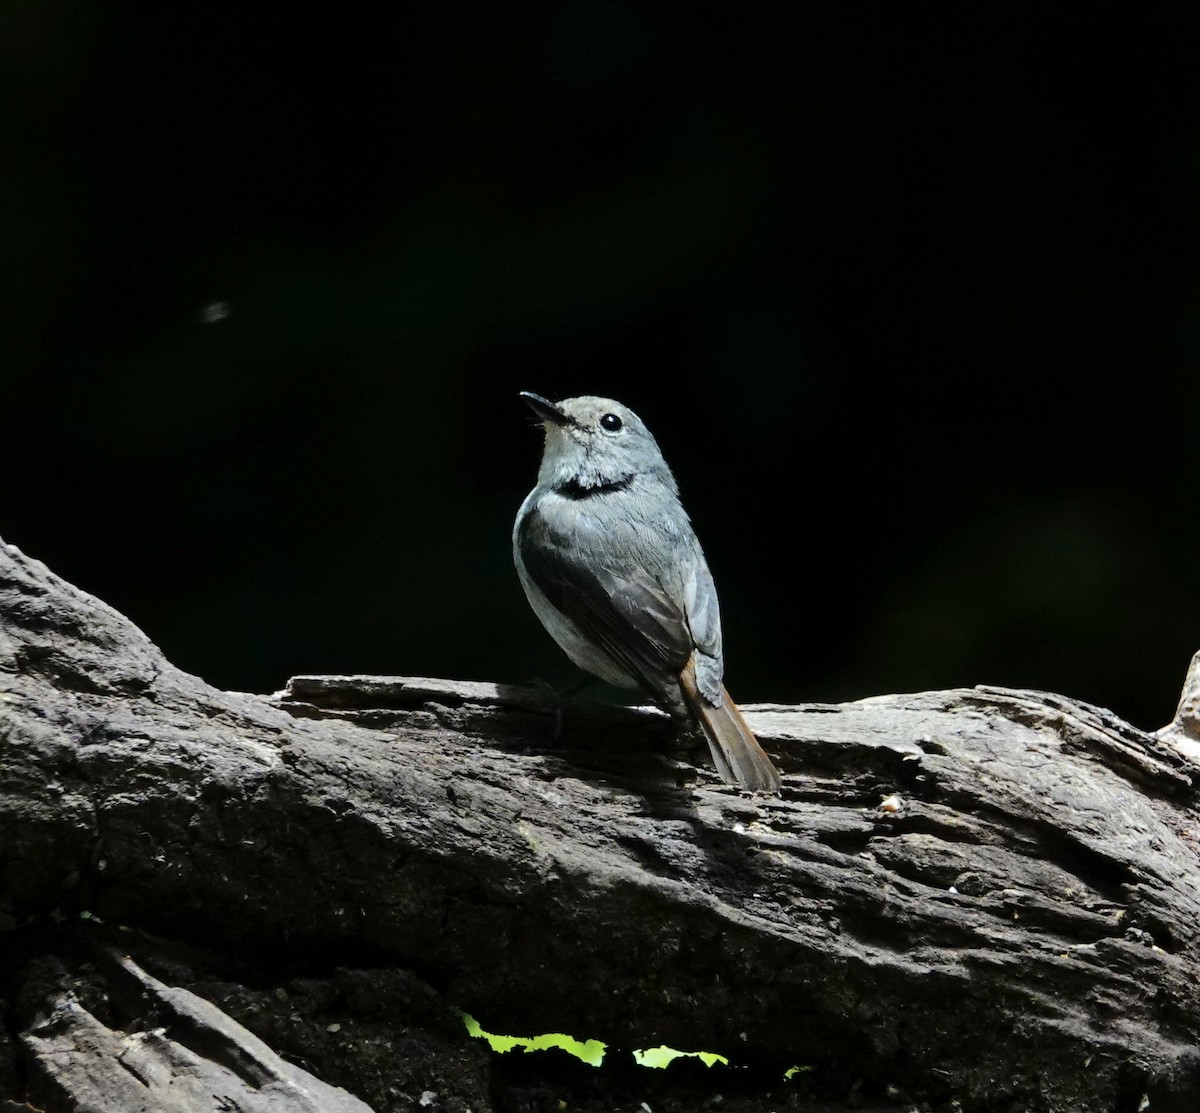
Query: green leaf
{"x": 590, "y": 1051}
{"x": 660, "y": 1057}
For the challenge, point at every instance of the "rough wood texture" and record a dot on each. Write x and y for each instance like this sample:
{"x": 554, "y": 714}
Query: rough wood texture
{"x": 195, "y": 1055}
{"x": 979, "y": 896}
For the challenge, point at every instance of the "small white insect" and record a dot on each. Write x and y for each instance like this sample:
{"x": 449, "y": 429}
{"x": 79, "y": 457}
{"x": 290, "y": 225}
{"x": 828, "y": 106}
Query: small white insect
{"x": 213, "y": 312}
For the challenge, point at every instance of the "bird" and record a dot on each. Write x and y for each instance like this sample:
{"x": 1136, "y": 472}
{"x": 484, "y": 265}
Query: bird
{"x": 612, "y": 567}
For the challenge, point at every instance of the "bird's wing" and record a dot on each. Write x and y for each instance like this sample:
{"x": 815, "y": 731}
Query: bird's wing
{"x": 704, "y": 621}
{"x": 700, "y": 602}
{"x": 613, "y": 584}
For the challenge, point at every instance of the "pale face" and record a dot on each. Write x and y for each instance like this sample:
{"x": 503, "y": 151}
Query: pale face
{"x": 594, "y": 442}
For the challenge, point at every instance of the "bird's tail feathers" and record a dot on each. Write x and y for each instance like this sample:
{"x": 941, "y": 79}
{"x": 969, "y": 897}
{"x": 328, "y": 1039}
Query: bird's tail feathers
{"x": 736, "y": 753}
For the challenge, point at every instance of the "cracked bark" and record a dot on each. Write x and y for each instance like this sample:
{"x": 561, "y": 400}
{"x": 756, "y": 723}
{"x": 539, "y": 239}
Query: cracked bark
{"x": 1016, "y": 926}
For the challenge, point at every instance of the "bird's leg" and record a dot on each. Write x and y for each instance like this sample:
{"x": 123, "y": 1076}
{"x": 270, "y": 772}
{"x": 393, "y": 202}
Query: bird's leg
{"x": 686, "y": 737}
{"x": 575, "y": 689}
{"x": 556, "y": 697}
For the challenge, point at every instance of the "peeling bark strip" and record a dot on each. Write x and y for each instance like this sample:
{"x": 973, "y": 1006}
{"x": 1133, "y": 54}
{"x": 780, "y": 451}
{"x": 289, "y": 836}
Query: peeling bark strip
{"x": 1021, "y": 923}
{"x": 193, "y": 1056}
{"x": 1183, "y": 732}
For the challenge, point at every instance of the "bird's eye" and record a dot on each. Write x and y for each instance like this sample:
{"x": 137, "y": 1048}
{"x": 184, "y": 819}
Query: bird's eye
{"x": 610, "y": 423}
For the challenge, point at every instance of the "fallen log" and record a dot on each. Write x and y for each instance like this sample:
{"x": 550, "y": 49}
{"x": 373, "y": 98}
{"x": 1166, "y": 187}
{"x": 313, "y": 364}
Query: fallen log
{"x": 980, "y": 896}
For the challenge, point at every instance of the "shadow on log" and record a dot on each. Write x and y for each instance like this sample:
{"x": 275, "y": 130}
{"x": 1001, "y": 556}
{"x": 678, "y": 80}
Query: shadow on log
{"x": 977, "y": 899}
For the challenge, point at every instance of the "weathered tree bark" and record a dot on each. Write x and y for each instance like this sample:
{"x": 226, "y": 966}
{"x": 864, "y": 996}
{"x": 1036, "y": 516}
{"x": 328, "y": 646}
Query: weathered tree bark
{"x": 206, "y": 1056}
{"x": 980, "y": 896}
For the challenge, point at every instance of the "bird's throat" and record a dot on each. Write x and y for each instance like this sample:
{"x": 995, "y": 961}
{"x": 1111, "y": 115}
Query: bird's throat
{"x": 575, "y": 488}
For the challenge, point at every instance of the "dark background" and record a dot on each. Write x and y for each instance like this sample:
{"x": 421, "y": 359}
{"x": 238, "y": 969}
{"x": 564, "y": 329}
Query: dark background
{"x": 907, "y": 294}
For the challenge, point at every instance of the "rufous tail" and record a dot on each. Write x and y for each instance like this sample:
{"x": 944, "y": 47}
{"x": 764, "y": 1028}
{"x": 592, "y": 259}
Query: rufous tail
{"x": 736, "y": 753}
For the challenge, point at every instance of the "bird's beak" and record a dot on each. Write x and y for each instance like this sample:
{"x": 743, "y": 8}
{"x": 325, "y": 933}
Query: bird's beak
{"x": 546, "y": 410}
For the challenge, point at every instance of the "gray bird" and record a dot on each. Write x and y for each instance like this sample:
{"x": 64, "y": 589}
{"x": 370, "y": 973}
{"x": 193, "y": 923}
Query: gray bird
{"x": 612, "y": 567}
